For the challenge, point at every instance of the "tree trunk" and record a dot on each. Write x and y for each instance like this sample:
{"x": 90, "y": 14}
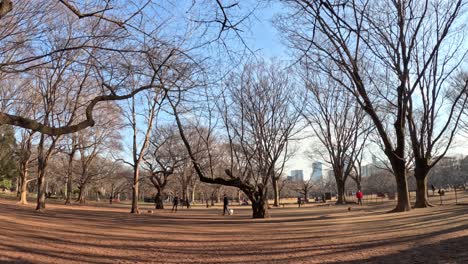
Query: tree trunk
{"x": 24, "y": 193}
{"x": 193, "y": 194}
{"x": 41, "y": 193}
{"x": 403, "y": 203}
{"x": 421, "y": 188}
{"x": 260, "y": 208}
{"x": 69, "y": 179}
{"x": 23, "y": 180}
{"x": 18, "y": 185}
{"x": 135, "y": 190}
{"x": 24, "y": 190}
{"x": 159, "y": 204}
{"x": 340, "y": 185}
{"x": 111, "y": 197}
{"x": 81, "y": 196}
{"x": 274, "y": 182}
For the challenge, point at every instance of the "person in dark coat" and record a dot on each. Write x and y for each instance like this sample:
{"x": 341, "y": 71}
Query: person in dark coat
{"x": 225, "y": 205}
{"x": 175, "y": 203}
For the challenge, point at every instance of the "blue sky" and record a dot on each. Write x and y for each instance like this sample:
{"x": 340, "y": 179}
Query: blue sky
{"x": 262, "y": 37}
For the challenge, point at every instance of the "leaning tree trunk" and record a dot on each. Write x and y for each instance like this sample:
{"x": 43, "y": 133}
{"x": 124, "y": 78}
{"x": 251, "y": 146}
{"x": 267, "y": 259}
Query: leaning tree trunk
{"x": 260, "y": 208}
{"x": 274, "y": 182}
{"x": 421, "y": 188}
{"x": 158, "y": 200}
{"x": 135, "y": 190}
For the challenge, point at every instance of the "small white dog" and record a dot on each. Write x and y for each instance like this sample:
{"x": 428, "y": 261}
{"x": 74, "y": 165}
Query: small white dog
{"x": 231, "y": 211}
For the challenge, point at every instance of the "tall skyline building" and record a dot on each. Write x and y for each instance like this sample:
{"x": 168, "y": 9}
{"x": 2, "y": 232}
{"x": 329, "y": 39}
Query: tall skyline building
{"x": 297, "y": 175}
{"x": 317, "y": 172}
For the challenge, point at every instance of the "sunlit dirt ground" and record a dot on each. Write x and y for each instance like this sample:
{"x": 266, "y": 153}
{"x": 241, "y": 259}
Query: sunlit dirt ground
{"x": 313, "y": 234}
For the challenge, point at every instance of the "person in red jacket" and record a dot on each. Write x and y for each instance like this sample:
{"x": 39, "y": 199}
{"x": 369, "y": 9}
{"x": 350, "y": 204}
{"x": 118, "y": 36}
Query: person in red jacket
{"x": 359, "y": 196}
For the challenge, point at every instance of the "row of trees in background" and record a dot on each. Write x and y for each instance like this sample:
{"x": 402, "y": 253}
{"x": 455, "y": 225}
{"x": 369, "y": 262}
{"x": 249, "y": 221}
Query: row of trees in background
{"x": 76, "y": 77}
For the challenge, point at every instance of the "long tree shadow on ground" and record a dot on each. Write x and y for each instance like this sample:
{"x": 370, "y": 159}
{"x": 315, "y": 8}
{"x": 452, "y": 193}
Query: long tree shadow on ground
{"x": 449, "y": 251}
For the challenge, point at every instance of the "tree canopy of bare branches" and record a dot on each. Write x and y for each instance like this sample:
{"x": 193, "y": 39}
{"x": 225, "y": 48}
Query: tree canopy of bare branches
{"x": 382, "y": 53}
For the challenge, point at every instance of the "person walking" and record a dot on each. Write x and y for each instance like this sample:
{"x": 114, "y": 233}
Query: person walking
{"x": 299, "y": 201}
{"x": 359, "y": 196}
{"x": 175, "y": 203}
{"x": 225, "y": 205}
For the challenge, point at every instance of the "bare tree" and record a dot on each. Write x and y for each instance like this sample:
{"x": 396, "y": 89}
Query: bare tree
{"x": 117, "y": 35}
{"x": 304, "y": 187}
{"x": 340, "y": 125}
{"x": 146, "y": 109}
{"x": 24, "y": 162}
{"x": 433, "y": 119}
{"x": 72, "y": 148}
{"x": 164, "y": 156}
{"x": 259, "y": 118}
{"x": 372, "y": 49}
{"x": 95, "y": 143}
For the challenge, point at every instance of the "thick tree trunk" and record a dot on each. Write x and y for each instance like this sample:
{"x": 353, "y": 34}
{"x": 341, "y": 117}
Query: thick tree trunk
{"x": 24, "y": 190}
{"x": 260, "y": 208}
{"x": 403, "y": 203}
{"x": 24, "y": 193}
{"x": 23, "y": 184}
{"x": 340, "y": 185}
{"x": 41, "y": 171}
{"x": 421, "y": 188}
{"x": 135, "y": 190}
{"x": 81, "y": 196}
{"x": 41, "y": 193}
{"x": 158, "y": 201}
{"x": 274, "y": 182}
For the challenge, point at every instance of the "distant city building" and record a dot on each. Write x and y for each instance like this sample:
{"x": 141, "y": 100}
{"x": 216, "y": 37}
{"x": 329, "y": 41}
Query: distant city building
{"x": 376, "y": 167}
{"x": 449, "y": 162}
{"x": 317, "y": 173}
{"x": 297, "y": 176}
